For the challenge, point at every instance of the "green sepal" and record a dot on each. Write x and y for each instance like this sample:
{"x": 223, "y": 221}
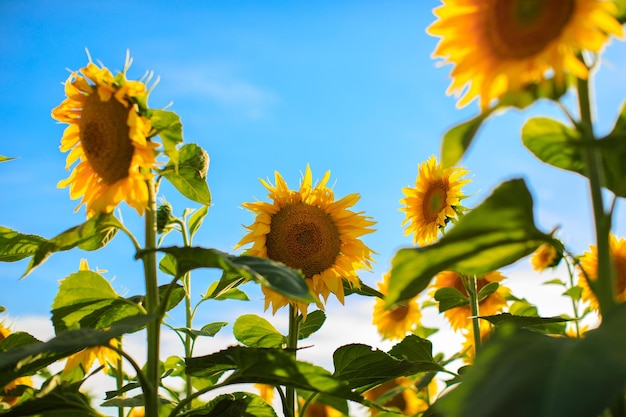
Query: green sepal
{"x": 498, "y": 232}
{"x": 189, "y": 176}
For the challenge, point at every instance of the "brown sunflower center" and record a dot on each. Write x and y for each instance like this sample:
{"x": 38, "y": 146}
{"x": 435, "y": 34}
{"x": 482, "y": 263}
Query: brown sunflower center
{"x": 522, "y": 28}
{"x": 104, "y": 136}
{"x": 399, "y": 313}
{"x": 620, "y": 278}
{"x": 303, "y": 237}
{"x": 434, "y": 201}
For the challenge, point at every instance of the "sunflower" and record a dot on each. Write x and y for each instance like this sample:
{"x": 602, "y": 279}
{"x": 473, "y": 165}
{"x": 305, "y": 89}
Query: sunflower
{"x": 546, "y": 256}
{"x": 434, "y": 201}
{"x": 490, "y": 305}
{"x": 85, "y": 359}
{"x": 401, "y": 394}
{"x": 310, "y": 231}
{"x": 318, "y": 409}
{"x": 469, "y": 345}
{"x": 6, "y": 395}
{"x": 266, "y": 392}
{"x": 108, "y": 136}
{"x": 589, "y": 264}
{"x": 497, "y": 46}
{"x": 395, "y": 322}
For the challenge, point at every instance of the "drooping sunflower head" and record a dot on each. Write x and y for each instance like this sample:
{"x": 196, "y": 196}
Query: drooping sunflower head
{"x": 589, "y": 265}
{"x": 307, "y": 229}
{"x": 497, "y": 46}
{"x": 434, "y": 201}
{"x": 546, "y": 256}
{"x": 490, "y": 305}
{"x": 394, "y": 323}
{"x": 108, "y": 137}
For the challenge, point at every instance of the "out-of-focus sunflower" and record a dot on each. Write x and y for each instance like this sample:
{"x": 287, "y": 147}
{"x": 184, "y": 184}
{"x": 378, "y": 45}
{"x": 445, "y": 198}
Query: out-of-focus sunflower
{"x": 546, "y": 256}
{"x": 310, "y": 231}
{"x": 497, "y": 46}
{"x": 469, "y": 344}
{"x": 108, "y": 136}
{"x": 395, "y": 322}
{"x": 434, "y": 201}
{"x": 589, "y": 264}
{"x": 86, "y": 358}
{"x": 490, "y": 305}
{"x": 318, "y": 409}
{"x": 400, "y": 393}
{"x": 6, "y": 396}
{"x": 266, "y": 392}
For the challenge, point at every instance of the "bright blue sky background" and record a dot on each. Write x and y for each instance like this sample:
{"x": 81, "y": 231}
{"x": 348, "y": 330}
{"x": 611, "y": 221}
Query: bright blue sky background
{"x": 262, "y": 86}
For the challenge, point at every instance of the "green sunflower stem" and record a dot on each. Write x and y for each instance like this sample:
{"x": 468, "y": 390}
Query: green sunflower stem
{"x": 151, "y": 398}
{"x": 603, "y": 286}
{"x": 292, "y": 347}
{"x": 472, "y": 291}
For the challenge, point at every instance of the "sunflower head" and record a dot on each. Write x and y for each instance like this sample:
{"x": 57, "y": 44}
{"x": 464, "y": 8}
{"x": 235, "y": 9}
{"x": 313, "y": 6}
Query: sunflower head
{"x": 395, "y": 322}
{"x": 434, "y": 201}
{"x": 496, "y": 46}
{"x": 8, "y": 394}
{"x": 307, "y": 229}
{"x": 588, "y": 268}
{"x": 401, "y": 394}
{"x": 490, "y": 305}
{"x": 546, "y": 256}
{"x": 107, "y": 137}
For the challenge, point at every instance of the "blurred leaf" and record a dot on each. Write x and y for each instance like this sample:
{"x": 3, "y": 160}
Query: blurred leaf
{"x": 86, "y": 300}
{"x": 60, "y": 400}
{"x": 272, "y": 367}
{"x": 167, "y": 265}
{"x": 274, "y": 275}
{"x": 450, "y": 298}
{"x": 521, "y": 373}
{"x": 521, "y": 321}
{"x": 169, "y": 128}
{"x": 255, "y": 331}
{"x": 15, "y": 246}
{"x": 189, "y": 177}
{"x": 487, "y": 290}
{"x": 27, "y": 358}
{"x": 5, "y": 158}
{"x": 555, "y": 281}
{"x": 234, "y": 404}
{"x": 575, "y": 293}
{"x": 498, "y": 232}
{"x": 313, "y": 323}
{"x": 561, "y": 146}
{"x": 521, "y": 99}
{"x": 94, "y": 234}
{"x": 196, "y": 219}
{"x": 364, "y": 367}
{"x": 621, "y": 11}
{"x": 457, "y": 140}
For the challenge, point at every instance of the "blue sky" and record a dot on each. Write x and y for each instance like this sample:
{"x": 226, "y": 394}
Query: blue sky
{"x": 262, "y": 86}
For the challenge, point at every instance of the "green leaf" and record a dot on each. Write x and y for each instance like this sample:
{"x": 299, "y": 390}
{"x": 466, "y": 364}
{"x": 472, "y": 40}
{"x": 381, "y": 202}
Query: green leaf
{"x": 211, "y": 329}
{"x": 255, "y": 331}
{"x": 5, "y": 158}
{"x": 521, "y": 373}
{"x": 498, "y": 232}
{"x": 555, "y": 281}
{"x": 60, "y": 400}
{"x": 522, "y": 321}
{"x": 562, "y": 147}
{"x": 274, "y": 275}
{"x": 167, "y": 265}
{"x": 227, "y": 282}
{"x": 86, "y": 300}
{"x": 234, "y": 404}
{"x": 457, "y": 140}
{"x": 415, "y": 349}
{"x": 168, "y": 126}
{"x": 364, "y": 367}
{"x": 575, "y": 293}
{"x": 362, "y": 289}
{"x": 94, "y": 234}
{"x": 27, "y": 358}
{"x": 450, "y": 298}
{"x": 196, "y": 219}
{"x": 189, "y": 177}
{"x": 270, "y": 366}
{"x": 313, "y": 323}
{"x": 15, "y": 246}
{"x": 487, "y": 290}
